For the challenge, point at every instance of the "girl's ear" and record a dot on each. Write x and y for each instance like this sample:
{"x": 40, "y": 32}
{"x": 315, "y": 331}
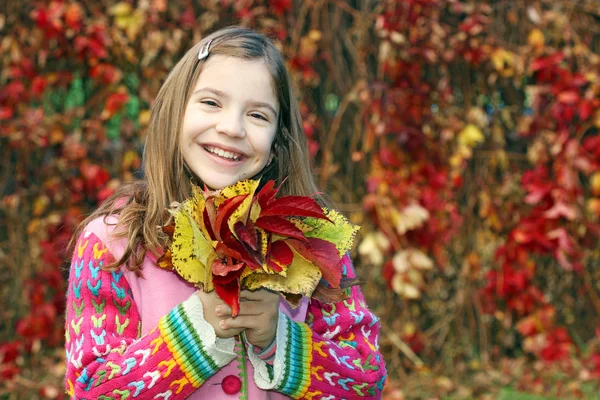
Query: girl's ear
{"x": 272, "y": 155}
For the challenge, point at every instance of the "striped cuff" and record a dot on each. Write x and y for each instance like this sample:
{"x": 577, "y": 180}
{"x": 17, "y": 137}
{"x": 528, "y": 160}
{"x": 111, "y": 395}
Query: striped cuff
{"x": 267, "y": 354}
{"x": 293, "y": 357}
{"x": 193, "y": 342}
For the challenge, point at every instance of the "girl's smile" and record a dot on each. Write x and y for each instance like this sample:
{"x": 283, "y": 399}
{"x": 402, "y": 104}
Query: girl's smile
{"x": 230, "y": 121}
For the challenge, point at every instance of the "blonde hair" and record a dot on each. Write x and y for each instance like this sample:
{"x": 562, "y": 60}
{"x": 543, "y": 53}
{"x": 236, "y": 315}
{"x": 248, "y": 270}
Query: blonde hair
{"x": 142, "y": 205}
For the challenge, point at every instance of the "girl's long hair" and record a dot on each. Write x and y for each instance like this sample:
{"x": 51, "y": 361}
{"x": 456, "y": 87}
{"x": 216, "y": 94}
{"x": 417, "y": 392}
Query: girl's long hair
{"x": 142, "y": 205}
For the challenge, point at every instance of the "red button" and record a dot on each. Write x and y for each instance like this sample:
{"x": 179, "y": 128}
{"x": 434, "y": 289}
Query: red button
{"x": 231, "y": 384}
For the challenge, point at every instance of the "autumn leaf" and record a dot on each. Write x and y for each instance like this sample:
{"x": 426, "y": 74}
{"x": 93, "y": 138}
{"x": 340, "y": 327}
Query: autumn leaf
{"x": 301, "y": 276}
{"x": 288, "y": 206}
{"x": 470, "y": 136}
{"x": 325, "y": 256}
{"x": 280, "y": 226}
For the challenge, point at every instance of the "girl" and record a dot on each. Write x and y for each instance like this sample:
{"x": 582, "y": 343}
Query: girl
{"x": 225, "y": 112}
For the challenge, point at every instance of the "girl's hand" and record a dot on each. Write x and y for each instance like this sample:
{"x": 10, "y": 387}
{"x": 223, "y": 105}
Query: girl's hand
{"x": 259, "y": 311}
{"x": 210, "y": 302}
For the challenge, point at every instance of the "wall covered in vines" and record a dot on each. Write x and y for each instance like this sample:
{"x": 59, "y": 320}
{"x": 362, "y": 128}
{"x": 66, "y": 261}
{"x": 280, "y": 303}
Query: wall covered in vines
{"x": 464, "y": 136}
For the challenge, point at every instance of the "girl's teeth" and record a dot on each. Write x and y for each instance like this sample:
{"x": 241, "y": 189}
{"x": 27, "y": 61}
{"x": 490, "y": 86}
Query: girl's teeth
{"x": 223, "y": 153}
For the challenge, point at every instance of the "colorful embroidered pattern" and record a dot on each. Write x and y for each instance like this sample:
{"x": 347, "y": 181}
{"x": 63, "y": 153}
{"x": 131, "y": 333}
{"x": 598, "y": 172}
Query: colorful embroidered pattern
{"x": 107, "y": 358}
{"x": 335, "y": 356}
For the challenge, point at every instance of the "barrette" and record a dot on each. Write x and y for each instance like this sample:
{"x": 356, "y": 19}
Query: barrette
{"x": 204, "y": 50}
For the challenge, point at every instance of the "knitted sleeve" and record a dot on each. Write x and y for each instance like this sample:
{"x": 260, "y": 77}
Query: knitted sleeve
{"x": 333, "y": 355}
{"x": 106, "y": 356}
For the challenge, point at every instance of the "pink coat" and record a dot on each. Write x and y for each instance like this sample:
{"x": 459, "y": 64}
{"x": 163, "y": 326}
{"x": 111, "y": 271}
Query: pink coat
{"x": 146, "y": 337}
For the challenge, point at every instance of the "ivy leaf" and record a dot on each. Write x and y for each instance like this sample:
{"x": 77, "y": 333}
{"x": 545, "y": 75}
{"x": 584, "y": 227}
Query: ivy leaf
{"x": 301, "y": 277}
{"x": 299, "y": 206}
{"x": 280, "y": 226}
{"x": 281, "y": 253}
{"x": 267, "y": 194}
{"x": 323, "y": 254}
{"x": 339, "y": 231}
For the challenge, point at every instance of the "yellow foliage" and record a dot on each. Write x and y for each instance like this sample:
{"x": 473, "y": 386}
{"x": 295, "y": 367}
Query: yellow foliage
{"x": 536, "y": 39}
{"x": 302, "y": 277}
{"x": 470, "y": 136}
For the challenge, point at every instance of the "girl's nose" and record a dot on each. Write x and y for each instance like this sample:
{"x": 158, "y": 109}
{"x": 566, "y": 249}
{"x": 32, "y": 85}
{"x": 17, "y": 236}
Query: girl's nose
{"x": 231, "y": 125}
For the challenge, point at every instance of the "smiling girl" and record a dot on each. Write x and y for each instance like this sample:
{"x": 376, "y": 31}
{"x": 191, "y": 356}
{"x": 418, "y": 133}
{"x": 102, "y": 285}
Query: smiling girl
{"x": 226, "y": 112}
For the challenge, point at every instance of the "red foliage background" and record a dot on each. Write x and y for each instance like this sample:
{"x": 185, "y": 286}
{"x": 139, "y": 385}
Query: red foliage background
{"x": 463, "y": 136}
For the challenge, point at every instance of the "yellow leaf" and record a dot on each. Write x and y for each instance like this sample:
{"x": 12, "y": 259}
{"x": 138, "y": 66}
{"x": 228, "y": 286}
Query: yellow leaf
{"x": 339, "y": 231}
{"x": 184, "y": 258}
{"x": 264, "y": 242}
{"x": 239, "y": 188}
{"x": 204, "y": 252}
{"x": 197, "y": 204}
{"x": 302, "y": 278}
{"x": 255, "y": 211}
{"x": 40, "y": 205}
{"x": 404, "y": 289}
{"x": 241, "y": 213}
{"x": 144, "y": 117}
{"x": 128, "y": 19}
{"x": 120, "y": 9}
{"x": 536, "y": 38}
{"x": 595, "y": 184}
{"x": 471, "y": 136}
{"x": 373, "y": 247}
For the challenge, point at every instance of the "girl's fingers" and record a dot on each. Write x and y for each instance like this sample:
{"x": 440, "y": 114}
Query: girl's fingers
{"x": 258, "y": 295}
{"x": 239, "y": 322}
{"x": 246, "y": 308}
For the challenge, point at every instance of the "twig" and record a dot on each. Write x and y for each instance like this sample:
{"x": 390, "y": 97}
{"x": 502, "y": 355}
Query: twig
{"x": 403, "y": 347}
{"x": 590, "y": 289}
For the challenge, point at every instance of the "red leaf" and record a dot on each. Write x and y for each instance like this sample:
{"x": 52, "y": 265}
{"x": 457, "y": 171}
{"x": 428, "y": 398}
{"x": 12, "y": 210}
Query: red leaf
{"x": 545, "y": 62}
{"x": 280, "y": 226}
{"x": 225, "y": 270}
{"x": 274, "y": 266}
{"x": 323, "y": 254}
{"x": 246, "y": 234}
{"x": 6, "y": 113}
{"x": 281, "y": 252}
{"x": 9, "y": 351}
{"x": 14, "y": 91}
{"x": 266, "y": 194}
{"x": 252, "y": 260}
{"x": 223, "y": 250}
{"x": 114, "y": 102}
{"x": 229, "y": 292}
{"x": 224, "y": 212}
{"x": 568, "y": 97}
{"x": 209, "y": 215}
{"x": 300, "y": 206}
{"x": 38, "y": 86}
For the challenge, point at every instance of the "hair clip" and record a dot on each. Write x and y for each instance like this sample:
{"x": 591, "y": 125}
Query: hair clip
{"x": 204, "y": 50}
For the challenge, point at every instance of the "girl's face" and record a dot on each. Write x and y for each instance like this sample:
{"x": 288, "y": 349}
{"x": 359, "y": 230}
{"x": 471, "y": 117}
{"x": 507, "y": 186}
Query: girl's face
{"x": 230, "y": 121}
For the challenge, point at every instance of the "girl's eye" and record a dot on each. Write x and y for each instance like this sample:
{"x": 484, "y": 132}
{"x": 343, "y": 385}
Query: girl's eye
{"x": 259, "y": 116}
{"x": 209, "y": 103}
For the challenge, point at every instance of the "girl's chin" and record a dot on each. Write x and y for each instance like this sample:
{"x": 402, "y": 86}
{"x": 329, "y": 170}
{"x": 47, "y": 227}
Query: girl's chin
{"x": 223, "y": 182}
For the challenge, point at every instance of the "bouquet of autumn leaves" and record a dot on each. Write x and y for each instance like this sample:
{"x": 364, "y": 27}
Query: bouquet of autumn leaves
{"x": 236, "y": 239}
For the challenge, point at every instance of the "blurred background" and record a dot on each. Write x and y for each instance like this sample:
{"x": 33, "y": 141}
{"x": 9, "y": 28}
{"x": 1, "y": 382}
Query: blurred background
{"x": 463, "y": 136}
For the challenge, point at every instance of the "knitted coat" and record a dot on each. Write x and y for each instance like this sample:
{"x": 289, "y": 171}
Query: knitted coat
{"x": 146, "y": 337}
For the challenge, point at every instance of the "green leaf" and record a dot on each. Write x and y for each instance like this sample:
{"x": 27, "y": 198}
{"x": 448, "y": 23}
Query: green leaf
{"x": 132, "y": 81}
{"x": 75, "y": 97}
{"x": 113, "y": 127}
{"x": 339, "y": 232}
{"x": 132, "y": 108}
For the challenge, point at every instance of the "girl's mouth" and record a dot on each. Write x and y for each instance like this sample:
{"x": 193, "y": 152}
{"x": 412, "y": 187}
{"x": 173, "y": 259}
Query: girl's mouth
{"x": 223, "y": 154}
